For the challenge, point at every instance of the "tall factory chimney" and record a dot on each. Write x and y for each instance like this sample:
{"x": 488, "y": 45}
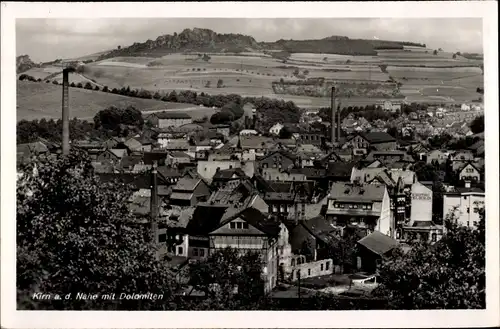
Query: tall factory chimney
{"x": 154, "y": 203}
{"x": 338, "y": 122}
{"x": 65, "y": 112}
{"x": 333, "y": 114}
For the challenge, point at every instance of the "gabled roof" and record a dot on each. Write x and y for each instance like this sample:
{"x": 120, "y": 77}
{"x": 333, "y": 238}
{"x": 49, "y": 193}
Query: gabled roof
{"x": 284, "y": 153}
{"x": 255, "y": 142}
{"x": 470, "y": 163}
{"x": 32, "y": 148}
{"x": 378, "y": 243}
{"x": 256, "y": 219}
{"x": 130, "y": 161}
{"x": 133, "y": 144}
{"x": 119, "y": 153}
{"x": 171, "y": 115}
{"x": 378, "y": 137}
{"x": 168, "y": 172}
{"x": 149, "y": 157}
{"x": 206, "y": 218}
{"x": 320, "y": 229}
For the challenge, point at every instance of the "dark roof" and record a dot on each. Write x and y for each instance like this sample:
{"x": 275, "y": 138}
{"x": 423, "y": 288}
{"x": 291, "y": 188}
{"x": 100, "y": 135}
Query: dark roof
{"x": 172, "y": 115}
{"x": 378, "y": 137}
{"x": 130, "y": 161}
{"x": 228, "y": 174}
{"x": 255, "y": 218}
{"x": 340, "y": 168}
{"x": 310, "y": 172}
{"x": 284, "y": 153}
{"x": 378, "y": 243}
{"x": 167, "y": 172}
{"x": 206, "y": 218}
{"x": 353, "y": 192}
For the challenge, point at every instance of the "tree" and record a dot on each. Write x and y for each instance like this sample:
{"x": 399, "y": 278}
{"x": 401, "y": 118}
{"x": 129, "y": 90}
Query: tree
{"x": 393, "y": 131}
{"x": 305, "y": 72}
{"x": 72, "y": 85}
{"x": 207, "y": 85}
{"x": 449, "y": 274}
{"x": 220, "y": 83}
{"x": 454, "y": 56}
{"x": 88, "y": 85}
{"x": 296, "y": 72}
{"x": 477, "y": 125}
{"x": 435, "y": 52}
{"x": 157, "y": 95}
{"x": 206, "y": 58}
{"x": 55, "y": 82}
{"x": 112, "y": 117}
{"x": 221, "y": 117}
{"x": 77, "y": 235}
{"x": 105, "y": 89}
{"x": 96, "y": 88}
{"x": 79, "y": 85}
{"x": 230, "y": 280}
{"x": 285, "y": 133}
{"x": 119, "y": 47}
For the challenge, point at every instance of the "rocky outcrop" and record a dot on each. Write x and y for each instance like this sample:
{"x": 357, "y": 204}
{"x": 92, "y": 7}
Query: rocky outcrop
{"x": 345, "y": 88}
{"x": 196, "y": 40}
{"x": 24, "y": 63}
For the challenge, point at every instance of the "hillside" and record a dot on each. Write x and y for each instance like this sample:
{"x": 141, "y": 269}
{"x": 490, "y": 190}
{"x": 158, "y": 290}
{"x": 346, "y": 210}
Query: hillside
{"x": 24, "y": 63}
{"x": 37, "y": 100}
{"x": 205, "y": 40}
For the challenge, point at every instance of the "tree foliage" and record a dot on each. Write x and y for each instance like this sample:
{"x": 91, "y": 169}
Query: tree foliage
{"x": 112, "y": 117}
{"x": 76, "y": 235}
{"x": 230, "y": 280}
{"x": 477, "y": 125}
{"x": 449, "y": 274}
{"x": 51, "y": 130}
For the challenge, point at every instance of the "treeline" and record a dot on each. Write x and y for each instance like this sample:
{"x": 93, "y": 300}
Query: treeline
{"x": 51, "y": 130}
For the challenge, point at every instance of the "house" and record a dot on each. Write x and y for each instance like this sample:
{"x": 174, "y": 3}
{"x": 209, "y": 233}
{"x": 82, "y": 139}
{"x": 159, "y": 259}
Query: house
{"x": 207, "y": 169}
{"x": 278, "y": 159}
{"x": 381, "y": 141}
{"x": 169, "y": 119}
{"x": 439, "y": 156}
{"x": 114, "y": 155}
{"x": 177, "y": 238}
{"x": 374, "y": 248}
{"x": 364, "y": 206}
{"x": 389, "y": 157}
{"x": 469, "y": 173}
{"x": 275, "y": 129}
{"x": 222, "y": 177}
{"x": 339, "y": 171}
{"x": 174, "y": 158}
{"x": 250, "y": 229}
{"x": 392, "y": 106}
{"x": 26, "y": 151}
{"x": 255, "y": 144}
{"x": 284, "y": 175}
{"x": 133, "y": 145}
{"x": 222, "y": 129}
{"x": 462, "y": 155}
{"x": 172, "y": 144}
{"x": 248, "y": 132}
{"x": 189, "y": 191}
{"x": 314, "y": 138}
{"x": 464, "y": 202}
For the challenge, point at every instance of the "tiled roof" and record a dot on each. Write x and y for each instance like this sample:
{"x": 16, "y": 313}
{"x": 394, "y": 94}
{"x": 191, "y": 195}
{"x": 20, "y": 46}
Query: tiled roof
{"x": 149, "y": 157}
{"x": 181, "y": 196}
{"x": 130, "y": 161}
{"x": 378, "y": 243}
{"x": 340, "y": 168}
{"x": 206, "y": 218}
{"x": 229, "y": 173}
{"x": 256, "y": 142}
{"x": 354, "y": 192}
{"x": 120, "y": 153}
{"x": 256, "y": 219}
{"x": 167, "y": 172}
{"x": 133, "y": 144}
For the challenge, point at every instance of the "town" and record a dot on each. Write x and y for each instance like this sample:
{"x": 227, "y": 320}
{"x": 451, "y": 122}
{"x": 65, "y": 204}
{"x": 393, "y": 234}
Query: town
{"x": 222, "y": 200}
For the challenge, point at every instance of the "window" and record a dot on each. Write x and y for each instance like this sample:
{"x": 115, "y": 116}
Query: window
{"x": 293, "y": 262}
{"x": 232, "y": 225}
{"x": 195, "y": 252}
{"x": 180, "y": 251}
{"x": 467, "y": 223}
{"x": 245, "y": 226}
{"x": 465, "y": 197}
{"x": 468, "y": 210}
{"x": 162, "y": 238}
{"x": 369, "y": 207}
{"x": 355, "y": 206}
{"x": 434, "y": 237}
{"x": 327, "y": 266}
{"x": 321, "y": 267}
{"x": 308, "y": 271}
{"x": 350, "y": 206}
{"x": 239, "y": 225}
{"x": 202, "y": 252}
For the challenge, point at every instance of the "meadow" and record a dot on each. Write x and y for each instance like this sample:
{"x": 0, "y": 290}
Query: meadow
{"x": 37, "y": 100}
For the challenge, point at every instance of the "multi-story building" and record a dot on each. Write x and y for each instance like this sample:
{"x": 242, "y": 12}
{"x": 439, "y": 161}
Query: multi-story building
{"x": 251, "y": 230}
{"x": 359, "y": 205}
{"x": 465, "y": 203}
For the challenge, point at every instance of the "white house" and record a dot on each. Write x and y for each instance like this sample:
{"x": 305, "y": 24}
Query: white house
{"x": 465, "y": 202}
{"x": 275, "y": 130}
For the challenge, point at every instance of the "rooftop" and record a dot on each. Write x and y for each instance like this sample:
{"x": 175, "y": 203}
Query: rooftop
{"x": 378, "y": 243}
{"x": 357, "y": 192}
{"x": 171, "y": 115}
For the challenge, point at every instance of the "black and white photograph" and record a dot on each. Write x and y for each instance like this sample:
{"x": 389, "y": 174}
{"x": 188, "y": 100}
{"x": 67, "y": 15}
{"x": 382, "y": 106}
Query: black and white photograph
{"x": 219, "y": 162}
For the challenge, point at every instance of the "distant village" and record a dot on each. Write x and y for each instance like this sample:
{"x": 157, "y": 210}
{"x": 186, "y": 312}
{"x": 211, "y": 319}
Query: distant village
{"x": 293, "y": 199}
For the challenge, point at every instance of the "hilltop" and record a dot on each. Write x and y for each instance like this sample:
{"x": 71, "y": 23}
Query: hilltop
{"x": 24, "y": 63}
{"x": 205, "y": 40}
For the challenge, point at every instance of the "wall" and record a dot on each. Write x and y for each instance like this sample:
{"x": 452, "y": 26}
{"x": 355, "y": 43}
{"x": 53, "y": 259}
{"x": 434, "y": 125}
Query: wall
{"x": 313, "y": 269}
{"x": 421, "y": 203}
{"x": 273, "y": 174}
{"x": 466, "y": 204}
{"x": 388, "y": 146}
{"x": 385, "y": 223}
{"x": 276, "y": 160}
{"x": 164, "y": 123}
{"x": 470, "y": 173}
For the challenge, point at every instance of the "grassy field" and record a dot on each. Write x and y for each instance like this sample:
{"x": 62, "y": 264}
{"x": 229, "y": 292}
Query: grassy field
{"x": 37, "y": 100}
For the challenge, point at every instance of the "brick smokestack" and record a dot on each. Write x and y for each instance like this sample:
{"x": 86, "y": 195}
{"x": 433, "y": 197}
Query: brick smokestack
{"x": 154, "y": 203}
{"x": 65, "y": 112}
{"x": 333, "y": 114}
{"x": 338, "y": 122}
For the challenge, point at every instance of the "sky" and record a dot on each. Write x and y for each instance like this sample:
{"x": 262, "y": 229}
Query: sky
{"x": 49, "y": 39}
